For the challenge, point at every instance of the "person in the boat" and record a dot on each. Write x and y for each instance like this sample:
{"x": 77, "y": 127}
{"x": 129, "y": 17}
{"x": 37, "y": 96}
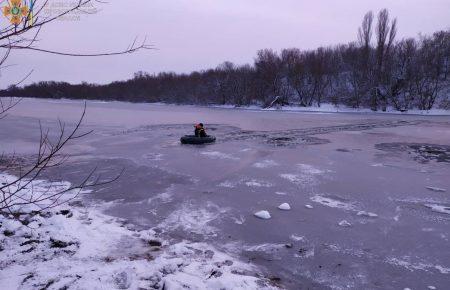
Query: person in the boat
{"x": 200, "y": 130}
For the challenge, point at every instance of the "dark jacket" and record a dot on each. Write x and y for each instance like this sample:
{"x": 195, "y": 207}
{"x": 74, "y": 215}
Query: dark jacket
{"x": 200, "y": 132}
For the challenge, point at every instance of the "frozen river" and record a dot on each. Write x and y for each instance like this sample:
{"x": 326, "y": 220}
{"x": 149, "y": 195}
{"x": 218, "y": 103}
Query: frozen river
{"x": 369, "y": 193}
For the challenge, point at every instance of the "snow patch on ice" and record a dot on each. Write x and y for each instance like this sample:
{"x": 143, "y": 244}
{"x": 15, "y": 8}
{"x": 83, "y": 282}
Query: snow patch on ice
{"x": 297, "y": 238}
{"x": 246, "y": 182}
{"x": 164, "y": 197}
{"x": 257, "y": 183}
{"x": 227, "y": 184}
{"x": 239, "y": 220}
{"x": 306, "y": 175}
{"x": 219, "y": 155}
{"x": 265, "y": 164}
{"x": 192, "y": 219}
{"x": 407, "y": 264}
{"x": 266, "y": 247}
{"x": 309, "y": 169}
{"x": 331, "y": 202}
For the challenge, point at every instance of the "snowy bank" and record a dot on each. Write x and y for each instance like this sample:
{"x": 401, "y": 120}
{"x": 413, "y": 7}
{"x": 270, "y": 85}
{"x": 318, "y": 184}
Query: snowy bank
{"x": 330, "y": 108}
{"x": 76, "y": 246}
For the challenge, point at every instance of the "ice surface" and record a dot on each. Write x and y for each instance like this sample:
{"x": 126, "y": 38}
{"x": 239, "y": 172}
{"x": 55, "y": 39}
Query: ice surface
{"x": 284, "y": 206}
{"x": 263, "y": 214}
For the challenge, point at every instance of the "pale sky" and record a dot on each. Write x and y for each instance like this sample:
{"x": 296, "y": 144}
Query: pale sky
{"x": 200, "y": 34}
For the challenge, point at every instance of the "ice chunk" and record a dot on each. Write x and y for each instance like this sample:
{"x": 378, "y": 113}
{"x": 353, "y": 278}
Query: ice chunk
{"x": 280, "y": 193}
{"x": 309, "y": 206}
{"x": 284, "y": 206}
{"x": 433, "y": 188}
{"x": 431, "y": 287}
{"x": 439, "y": 208}
{"x": 365, "y": 213}
{"x": 263, "y": 214}
{"x": 344, "y": 223}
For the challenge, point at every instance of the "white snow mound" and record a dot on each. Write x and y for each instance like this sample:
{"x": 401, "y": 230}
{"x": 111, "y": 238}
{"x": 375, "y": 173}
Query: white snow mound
{"x": 263, "y": 214}
{"x": 284, "y": 206}
{"x": 344, "y": 223}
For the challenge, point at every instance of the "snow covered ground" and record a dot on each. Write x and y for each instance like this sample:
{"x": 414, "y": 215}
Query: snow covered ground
{"x": 330, "y": 108}
{"x": 76, "y": 246}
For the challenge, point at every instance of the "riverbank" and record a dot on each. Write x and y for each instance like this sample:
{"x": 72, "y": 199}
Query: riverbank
{"x": 77, "y": 246}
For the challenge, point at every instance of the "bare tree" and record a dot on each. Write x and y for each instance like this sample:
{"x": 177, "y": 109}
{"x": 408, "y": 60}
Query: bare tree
{"x": 433, "y": 68}
{"x": 16, "y": 193}
{"x": 385, "y": 32}
{"x": 22, "y": 34}
{"x": 401, "y": 93}
{"x": 268, "y": 68}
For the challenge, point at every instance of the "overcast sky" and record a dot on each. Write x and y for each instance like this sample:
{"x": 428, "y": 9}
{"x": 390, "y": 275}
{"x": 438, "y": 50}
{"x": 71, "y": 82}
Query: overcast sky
{"x": 199, "y": 34}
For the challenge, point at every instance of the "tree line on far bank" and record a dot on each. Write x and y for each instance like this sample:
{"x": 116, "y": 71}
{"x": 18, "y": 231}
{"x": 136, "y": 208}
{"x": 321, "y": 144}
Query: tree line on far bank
{"x": 376, "y": 71}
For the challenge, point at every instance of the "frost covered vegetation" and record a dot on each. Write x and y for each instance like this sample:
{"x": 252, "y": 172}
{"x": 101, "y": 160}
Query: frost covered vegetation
{"x": 375, "y": 72}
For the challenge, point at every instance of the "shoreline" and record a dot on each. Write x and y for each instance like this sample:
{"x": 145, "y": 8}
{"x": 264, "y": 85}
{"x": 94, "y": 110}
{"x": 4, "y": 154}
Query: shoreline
{"x": 77, "y": 245}
{"x": 325, "y": 108}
